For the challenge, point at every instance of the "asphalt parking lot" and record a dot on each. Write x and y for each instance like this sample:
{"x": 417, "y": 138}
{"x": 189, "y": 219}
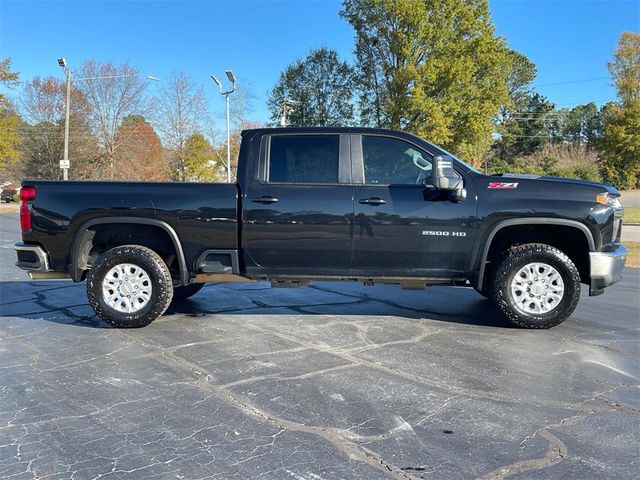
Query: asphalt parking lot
{"x": 332, "y": 381}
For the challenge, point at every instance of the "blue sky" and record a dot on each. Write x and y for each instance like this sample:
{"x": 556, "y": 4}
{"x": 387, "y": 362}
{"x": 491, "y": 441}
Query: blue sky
{"x": 569, "y": 41}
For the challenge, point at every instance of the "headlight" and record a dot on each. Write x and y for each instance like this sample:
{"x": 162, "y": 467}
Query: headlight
{"x": 609, "y": 200}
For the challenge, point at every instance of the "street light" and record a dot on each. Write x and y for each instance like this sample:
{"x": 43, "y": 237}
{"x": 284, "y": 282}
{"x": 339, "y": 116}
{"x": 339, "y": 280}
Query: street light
{"x": 64, "y": 164}
{"x": 285, "y": 110}
{"x": 226, "y": 94}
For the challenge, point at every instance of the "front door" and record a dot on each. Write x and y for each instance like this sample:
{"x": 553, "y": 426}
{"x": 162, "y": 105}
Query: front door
{"x": 402, "y": 226}
{"x": 297, "y": 211}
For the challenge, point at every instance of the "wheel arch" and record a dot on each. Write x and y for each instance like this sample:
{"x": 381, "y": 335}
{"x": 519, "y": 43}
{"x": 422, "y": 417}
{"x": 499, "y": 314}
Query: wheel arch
{"x": 83, "y": 239}
{"x": 580, "y": 229}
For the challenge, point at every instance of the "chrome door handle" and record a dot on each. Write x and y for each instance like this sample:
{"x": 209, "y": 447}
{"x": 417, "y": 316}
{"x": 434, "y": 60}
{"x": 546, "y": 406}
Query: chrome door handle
{"x": 373, "y": 201}
{"x": 266, "y": 199}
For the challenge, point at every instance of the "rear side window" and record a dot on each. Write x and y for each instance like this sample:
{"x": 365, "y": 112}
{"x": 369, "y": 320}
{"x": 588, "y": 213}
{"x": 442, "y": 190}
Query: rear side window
{"x": 304, "y": 159}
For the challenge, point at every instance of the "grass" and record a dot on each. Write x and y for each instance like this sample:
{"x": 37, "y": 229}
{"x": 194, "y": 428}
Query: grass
{"x": 9, "y": 207}
{"x": 633, "y": 258}
{"x": 631, "y": 215}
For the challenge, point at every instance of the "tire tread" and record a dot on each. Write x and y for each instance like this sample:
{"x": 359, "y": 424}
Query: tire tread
{"x": 514, "y": 258}
{"x": 158, "y": 267}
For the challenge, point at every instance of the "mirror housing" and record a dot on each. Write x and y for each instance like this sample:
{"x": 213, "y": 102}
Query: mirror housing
{"x": 445, "y": 178}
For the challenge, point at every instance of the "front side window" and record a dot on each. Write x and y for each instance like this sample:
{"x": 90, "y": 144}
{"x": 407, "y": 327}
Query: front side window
{"x": 304, "y": 159}
{"x": 392, "y": 161}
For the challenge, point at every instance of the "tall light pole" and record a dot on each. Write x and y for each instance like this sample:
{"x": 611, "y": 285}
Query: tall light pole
{"x": 65, "y": 164}
{"x": 285, "y": 110}
{"x": 226, "y": 94}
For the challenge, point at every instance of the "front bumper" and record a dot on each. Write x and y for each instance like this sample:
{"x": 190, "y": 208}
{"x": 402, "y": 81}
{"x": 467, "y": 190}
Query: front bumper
{"x": 35, "y": 260}
{"x": 606, "y": 269}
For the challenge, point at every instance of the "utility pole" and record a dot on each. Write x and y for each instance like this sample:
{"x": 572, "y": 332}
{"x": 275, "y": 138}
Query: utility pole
{"x": 64, "y": 164}
{"x": 226, "y": 94}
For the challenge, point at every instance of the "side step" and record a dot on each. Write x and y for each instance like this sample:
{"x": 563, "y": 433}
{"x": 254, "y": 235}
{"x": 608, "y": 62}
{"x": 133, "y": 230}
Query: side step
{"x": 218, "y": 262}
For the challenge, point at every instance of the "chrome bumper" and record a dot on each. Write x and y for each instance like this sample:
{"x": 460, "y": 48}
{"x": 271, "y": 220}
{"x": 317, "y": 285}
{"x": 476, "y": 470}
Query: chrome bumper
{"x": 36, "y": 262}
{"x": 39, "y": 261}
{"x": 606, "y": 268}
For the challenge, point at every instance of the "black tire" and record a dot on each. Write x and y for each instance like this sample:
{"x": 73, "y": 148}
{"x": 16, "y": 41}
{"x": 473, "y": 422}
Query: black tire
{"x": 516, "y": 259}
{"x": 182, "y": 293}
{"x": 152, "y": 264}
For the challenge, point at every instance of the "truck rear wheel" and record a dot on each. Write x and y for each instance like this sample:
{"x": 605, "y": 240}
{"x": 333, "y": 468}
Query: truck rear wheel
{"x": 536, "y": 286}
{"x": 129, "y": 286}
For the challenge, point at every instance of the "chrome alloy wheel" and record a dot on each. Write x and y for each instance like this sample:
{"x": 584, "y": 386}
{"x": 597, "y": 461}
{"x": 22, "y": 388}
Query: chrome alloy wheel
{"x": 126, "y": 288}
{"x": 537, "y": 288}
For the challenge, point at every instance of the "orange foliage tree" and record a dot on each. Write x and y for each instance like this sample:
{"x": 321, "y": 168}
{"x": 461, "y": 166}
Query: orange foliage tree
{"x": 139, "y": 155}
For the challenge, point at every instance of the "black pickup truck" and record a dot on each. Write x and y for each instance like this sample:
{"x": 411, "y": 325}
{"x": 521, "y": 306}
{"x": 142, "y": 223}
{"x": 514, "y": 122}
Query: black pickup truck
{"x": 352, "y": 204}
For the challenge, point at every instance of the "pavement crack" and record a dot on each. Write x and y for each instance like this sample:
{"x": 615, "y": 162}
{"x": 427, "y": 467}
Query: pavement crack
{"x": 556, "y": 453}
{"x": 337, "y": 437}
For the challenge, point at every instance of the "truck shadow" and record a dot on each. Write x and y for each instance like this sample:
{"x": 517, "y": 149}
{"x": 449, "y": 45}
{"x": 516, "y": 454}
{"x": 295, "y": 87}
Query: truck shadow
{"x": 64, "y": 302}
{"x": 443, "y": 304}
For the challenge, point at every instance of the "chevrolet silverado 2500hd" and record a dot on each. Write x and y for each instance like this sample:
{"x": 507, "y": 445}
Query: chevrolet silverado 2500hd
{"x": 369, "y": 205}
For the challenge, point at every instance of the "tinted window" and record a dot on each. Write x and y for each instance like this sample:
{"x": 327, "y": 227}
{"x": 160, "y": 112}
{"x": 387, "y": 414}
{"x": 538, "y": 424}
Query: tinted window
{"x": 304, "y": 158}
{"x": 389, "y": 161}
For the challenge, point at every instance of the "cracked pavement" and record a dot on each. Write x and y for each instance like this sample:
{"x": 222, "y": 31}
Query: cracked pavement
{"x": 331, "y": 381}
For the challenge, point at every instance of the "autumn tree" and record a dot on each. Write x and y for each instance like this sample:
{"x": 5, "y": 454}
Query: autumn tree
{"x": 181, "y": 111}
{"x": 140, "y": 155}
{"x": 317, "y": 91}
{"x": 432, "y": 67}
{"x": 9, "y": 120}
{"x": 113, "y": 92}
{"x": 620, "y": 143}
{"x": 42, "y": 102}
{"x": 197, "y": 158}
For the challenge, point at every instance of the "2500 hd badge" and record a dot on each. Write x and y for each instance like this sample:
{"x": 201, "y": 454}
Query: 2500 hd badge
{"x": 443, "y": 233}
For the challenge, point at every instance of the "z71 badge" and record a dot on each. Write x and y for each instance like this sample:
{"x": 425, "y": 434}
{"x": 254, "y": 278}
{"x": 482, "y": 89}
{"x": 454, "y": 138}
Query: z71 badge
{"x": 497, "y": 185}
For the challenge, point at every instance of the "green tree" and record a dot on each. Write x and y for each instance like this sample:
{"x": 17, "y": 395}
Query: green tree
{"x": 525, "y": 130}
{"x": 315, "y": 91}
{"x": 197, "y": 159}
{"x": 620, "y": 143}
{"x": 520, "y": 75}
{"x": 581, "y": 124}
{"x": 433, "y": 67}
{"x": 9, "y": 121}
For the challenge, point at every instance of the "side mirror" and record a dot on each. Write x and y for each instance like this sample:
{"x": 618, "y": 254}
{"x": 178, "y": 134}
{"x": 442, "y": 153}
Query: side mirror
{"x": 445, "y": 178}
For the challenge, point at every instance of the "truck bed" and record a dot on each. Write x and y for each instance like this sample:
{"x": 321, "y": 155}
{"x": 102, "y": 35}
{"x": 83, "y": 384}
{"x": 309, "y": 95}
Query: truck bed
{"x": 203, "y": 215}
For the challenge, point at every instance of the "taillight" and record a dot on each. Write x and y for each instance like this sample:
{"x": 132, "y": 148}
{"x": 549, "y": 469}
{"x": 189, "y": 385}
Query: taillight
{"x": 26, "y": 195}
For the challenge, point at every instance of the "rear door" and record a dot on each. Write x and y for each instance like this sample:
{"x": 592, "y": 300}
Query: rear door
{"x": 404, "y": 227}
{"x": 298, "y": 206}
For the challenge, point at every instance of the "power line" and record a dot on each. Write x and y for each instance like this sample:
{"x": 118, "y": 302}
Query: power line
{"x": 565, "y": 82}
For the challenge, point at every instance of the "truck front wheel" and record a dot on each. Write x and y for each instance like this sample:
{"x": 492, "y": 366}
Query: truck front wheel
{"x": 129, "y": 286}
{"x": 536, "y": 286}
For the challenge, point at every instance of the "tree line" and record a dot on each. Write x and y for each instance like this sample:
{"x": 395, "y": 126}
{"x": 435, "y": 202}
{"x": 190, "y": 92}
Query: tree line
{"x": 117, "y": 129}
{"x": 437, "y": 69}
{"x": 434, "y": 68}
